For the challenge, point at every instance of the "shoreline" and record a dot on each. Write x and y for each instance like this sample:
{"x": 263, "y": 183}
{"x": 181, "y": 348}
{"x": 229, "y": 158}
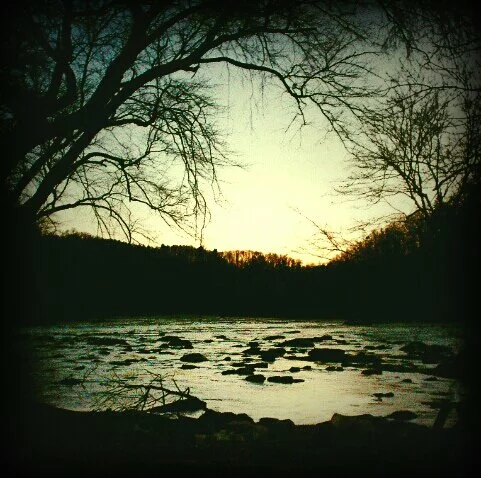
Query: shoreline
{"x": 61, "y": 442}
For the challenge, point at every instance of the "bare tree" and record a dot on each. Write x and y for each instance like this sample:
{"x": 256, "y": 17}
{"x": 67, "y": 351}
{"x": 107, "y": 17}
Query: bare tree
{"x": 421, "y": 139}
{"x": 104, "y": 103}
{"x": 415, "y": 146}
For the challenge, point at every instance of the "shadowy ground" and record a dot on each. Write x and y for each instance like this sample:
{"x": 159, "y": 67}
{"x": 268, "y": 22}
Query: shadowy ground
{"x": 47, "y": 441}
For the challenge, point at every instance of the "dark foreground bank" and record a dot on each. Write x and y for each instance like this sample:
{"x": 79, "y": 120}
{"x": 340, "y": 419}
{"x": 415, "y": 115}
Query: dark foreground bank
{"x": 47, "y": 441}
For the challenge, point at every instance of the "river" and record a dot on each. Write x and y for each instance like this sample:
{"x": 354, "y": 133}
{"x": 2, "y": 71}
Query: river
{"x": 101, "y": 365}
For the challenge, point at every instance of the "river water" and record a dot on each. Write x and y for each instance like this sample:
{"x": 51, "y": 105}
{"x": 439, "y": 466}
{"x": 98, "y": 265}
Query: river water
{"x": 101, "y": 365}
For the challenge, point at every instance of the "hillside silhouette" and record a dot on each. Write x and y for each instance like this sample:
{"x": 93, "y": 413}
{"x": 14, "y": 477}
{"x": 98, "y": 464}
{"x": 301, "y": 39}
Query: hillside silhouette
{"x": 410, "y": 271}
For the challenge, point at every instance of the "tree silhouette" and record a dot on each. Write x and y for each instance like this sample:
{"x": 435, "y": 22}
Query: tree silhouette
{"x": 415, "y": 149}
{"x": 422, "y": 138}
{"x": 106, "y": 103}
{"x": 417, "y": 146}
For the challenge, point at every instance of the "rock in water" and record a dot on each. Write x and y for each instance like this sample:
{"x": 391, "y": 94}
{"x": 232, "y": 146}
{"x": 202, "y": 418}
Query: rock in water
{"x": 284, "y": 379}
{"x": 194, "y": 357}
{"x": 255, "y": 378}
{"x": 326, "y": 355}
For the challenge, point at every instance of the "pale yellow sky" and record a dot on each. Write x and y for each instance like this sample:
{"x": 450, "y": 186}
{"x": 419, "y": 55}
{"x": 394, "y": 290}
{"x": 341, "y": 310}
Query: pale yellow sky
{"x": 285, "y": 171}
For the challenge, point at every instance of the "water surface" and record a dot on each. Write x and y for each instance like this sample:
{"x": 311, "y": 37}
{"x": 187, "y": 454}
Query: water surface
{"x": 77, "y": 366}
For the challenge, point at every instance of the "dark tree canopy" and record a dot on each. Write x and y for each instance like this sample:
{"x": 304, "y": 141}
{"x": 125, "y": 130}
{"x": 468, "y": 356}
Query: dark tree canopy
{"x": 414, "y": 150}
{"x": 107, "y": 103}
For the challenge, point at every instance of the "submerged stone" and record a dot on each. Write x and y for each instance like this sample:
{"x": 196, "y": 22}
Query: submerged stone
{"x": 126, "y": 362}
{"x": 334, "y": 368}
{"x": 383, "y": 395}
{"x": 106, "y": 341}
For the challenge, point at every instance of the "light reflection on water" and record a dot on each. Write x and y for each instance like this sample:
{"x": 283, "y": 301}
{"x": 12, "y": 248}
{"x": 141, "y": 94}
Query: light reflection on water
{"x": 66, "y": 352}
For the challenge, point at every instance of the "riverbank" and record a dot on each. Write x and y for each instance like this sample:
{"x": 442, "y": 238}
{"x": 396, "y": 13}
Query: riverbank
{"x": 54, "y": 442}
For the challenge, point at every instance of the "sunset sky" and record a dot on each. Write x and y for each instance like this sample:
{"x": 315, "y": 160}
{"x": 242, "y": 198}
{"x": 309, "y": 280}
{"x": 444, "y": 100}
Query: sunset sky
{"x": 286, "y": 170}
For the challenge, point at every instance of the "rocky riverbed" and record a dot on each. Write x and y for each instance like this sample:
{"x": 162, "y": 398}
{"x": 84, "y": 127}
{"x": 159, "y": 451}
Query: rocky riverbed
{"x": 300, "y": 370}
{"x": 239, "y": 397}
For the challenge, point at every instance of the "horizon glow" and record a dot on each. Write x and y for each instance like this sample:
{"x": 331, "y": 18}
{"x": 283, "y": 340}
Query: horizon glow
{"x": 288, "y": 169}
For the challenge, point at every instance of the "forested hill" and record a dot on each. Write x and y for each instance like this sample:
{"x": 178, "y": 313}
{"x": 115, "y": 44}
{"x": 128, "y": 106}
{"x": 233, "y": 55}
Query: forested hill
{"x": 82, "y": 276}
{"x": 391, "y": 275}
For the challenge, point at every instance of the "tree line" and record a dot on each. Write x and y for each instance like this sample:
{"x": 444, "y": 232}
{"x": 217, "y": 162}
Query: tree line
{"x": 81, "y": 276}
{"x": 410, "y": 270}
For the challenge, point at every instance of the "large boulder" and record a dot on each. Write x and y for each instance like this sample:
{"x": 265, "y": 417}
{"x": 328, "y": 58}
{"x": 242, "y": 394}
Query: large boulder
{"x": 275, "y": 425}
{"x": 327, "y": 355}
{"x": 300, "y": 342}
{"x": 357, "y": 423}
{"x": 177, "y": 342}
{"x": 362, "y": 359}
{"x": 194, "y": 357}
{"x": 271, "y": 354}
{"x": 188, "y": 404}
{"x": 452, "y": 367}
{"x": 402, "y": 415}
{"x": 284, "y": 379}
{"x": 256, "y": 378}
{"x": 247, "y": 370}
{"x": 212, "y": 420}
{"x": 433, "y": 353}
